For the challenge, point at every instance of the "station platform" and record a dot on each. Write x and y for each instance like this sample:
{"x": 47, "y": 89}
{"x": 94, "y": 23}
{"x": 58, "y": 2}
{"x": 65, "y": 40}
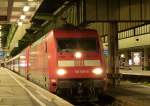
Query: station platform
{"x": 131, "y": 94}
{"x": 17, "y": 91}
{"x": 135, "y": 72}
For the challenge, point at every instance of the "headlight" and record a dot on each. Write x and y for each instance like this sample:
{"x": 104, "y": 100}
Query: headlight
{"x": 78, "y": 55}
{"x": 97, "y": 71}
{"x": 61, "y": 72}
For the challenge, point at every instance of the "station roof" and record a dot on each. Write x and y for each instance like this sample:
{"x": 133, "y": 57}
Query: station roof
{"x": 44, "y": 11}
{"x": 12, "y": 12}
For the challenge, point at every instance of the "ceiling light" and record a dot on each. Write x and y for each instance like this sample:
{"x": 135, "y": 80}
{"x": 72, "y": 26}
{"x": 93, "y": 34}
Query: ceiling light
{"x": 26, "y": 8}
{"x": 22, "y": 17}
{"x": 122, "y": 56}
{"x": 19, "y": 23}
{"x": 30, "y": 0}
{"x": 0, "y": 34}
{"x": 0, "y": 27}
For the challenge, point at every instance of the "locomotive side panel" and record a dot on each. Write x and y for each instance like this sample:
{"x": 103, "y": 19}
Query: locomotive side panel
{"x": 38, "y": 64}
{"x": 45, "y": 66}
{"x": 52, "y": 60}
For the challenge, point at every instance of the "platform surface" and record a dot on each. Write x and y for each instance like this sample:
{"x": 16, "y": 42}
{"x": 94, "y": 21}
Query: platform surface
{"x": 135, "y": 72}
{"x": 131, "y": 93}
{"x": 17, "y": 91}
{"x": 12, "y": 94}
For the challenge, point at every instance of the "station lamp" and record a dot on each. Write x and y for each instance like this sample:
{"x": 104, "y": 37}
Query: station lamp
{"x": 0, "y": 27}
{"x": 22, "y": 17}
{"x": 19, "y": 23}
{"x": 0, "y": 33}
{"x": 26, "y": 8}
{"x": 122, "y": 55}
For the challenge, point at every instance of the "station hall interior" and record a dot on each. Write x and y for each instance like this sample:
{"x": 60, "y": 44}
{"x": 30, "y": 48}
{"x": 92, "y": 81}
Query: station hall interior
{"x": 122, "y": 32}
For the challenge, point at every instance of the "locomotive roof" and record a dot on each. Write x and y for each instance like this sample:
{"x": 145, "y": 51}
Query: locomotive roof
{"x": 75, "y": 29}
{"x": 88, "y": 31}
{"x": 60, "y": 33}
{"x": 69, "y": 27}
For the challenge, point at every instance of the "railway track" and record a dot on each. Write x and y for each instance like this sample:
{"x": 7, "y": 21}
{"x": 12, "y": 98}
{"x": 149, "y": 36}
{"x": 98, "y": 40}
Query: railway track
{"x": 105, "y": 100}
{"x": 88, "y": 104}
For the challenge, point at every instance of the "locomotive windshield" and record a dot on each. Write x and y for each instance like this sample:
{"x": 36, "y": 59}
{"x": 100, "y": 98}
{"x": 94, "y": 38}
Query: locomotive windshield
{"x": 82, "y": 44}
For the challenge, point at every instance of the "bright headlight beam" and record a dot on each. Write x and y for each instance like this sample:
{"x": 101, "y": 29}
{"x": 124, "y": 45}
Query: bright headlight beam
{"x": 78, "y": 55}
{"x": 97, "y": 71}
{"x": 61, "y": 72}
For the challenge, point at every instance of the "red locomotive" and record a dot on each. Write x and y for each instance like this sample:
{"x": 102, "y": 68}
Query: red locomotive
{"x": 64, "y": 61}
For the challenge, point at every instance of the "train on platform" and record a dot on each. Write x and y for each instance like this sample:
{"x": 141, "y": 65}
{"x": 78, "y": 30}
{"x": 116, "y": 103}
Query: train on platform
{"x": 66, "y": 62}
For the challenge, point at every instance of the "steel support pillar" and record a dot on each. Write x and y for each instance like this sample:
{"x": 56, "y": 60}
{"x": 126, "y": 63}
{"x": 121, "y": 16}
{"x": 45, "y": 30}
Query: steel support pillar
{"x": 146, "y": 51}
{"x": 126, "y": 59}
{"x": 113, "y": 58}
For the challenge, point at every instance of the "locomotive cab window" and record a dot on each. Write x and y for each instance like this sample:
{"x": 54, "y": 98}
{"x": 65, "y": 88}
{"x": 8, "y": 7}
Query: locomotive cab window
{"x": 73, "y": 44}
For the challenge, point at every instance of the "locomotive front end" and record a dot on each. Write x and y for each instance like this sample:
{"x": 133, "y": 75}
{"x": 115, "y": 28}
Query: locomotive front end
{"x": 80, "y": 66}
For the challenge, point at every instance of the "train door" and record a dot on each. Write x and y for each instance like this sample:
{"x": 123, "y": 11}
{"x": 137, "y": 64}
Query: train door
{"x": 45, "y": 66}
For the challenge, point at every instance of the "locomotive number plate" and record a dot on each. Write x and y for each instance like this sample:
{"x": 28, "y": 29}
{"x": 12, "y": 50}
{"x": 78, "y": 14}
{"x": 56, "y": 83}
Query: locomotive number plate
{"x": 79, "y": 62}
{"x": 81, "y": 71}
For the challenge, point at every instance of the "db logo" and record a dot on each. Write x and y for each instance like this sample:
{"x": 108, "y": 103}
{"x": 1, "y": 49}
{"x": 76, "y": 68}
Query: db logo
{"x": 79, "y": 62}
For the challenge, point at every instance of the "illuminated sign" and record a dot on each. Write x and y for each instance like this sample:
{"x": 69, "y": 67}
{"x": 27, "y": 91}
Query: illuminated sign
{"x": 136, "y": 58}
